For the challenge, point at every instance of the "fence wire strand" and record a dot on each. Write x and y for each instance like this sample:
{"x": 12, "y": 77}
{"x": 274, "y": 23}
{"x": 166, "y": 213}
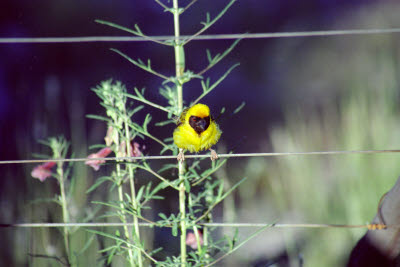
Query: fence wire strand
{"x": 240, "y": 155}
{"x": 90, "y": 39}
{"x": 239, "y": 225}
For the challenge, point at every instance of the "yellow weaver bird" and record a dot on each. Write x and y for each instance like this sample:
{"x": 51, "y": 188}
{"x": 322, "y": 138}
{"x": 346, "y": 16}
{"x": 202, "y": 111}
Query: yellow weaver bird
{"x": 196, "y": 131}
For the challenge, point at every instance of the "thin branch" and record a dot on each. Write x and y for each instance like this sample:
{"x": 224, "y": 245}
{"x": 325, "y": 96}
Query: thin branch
{"x": 211, "y": 207}
{"x": 238, "y": 246}
{"x": 145, "y": 253}
{"x": 207, "y": 90}
{"x": 138, "y": 32}
{"x": 219, "y": 165}
{"x": 152, "y": 137}
{"x": 188, "y": 5}
{"x": 156, "y": 175}
{"x": 161, "y": 4}
{"x": 141, "y": 65}
{"x": 148, "y": 103}
{"x": 123, "y": 241}
{"x": 209, "y": 24}
{"x": 218, "y": 58}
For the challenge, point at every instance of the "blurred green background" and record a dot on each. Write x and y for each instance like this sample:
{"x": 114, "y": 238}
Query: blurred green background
{"x": 302, "y": 94}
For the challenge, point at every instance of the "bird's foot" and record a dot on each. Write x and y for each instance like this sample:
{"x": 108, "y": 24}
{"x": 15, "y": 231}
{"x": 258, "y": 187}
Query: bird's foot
{"x": 181, "y": 156}
{"x": 214, "y": 155}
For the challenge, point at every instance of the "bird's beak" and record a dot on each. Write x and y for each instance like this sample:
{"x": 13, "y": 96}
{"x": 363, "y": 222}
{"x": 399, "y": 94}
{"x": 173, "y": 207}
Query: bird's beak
{"x": 202, "y": 124}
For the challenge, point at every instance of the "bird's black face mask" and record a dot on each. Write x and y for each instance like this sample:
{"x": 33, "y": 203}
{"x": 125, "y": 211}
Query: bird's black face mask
{"x": 199, "y": 124}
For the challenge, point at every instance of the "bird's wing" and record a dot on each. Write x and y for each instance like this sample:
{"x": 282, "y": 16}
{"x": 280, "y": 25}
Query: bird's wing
{"x": 182, "y": 117}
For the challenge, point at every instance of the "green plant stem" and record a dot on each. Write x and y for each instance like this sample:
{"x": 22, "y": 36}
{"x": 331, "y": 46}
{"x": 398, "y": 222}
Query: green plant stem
{"x": 122, "y": 216}
{"x": 133, "y": 192}
{"x": 179, "y": 68}
{"x": 205, "y": 228}
{"x": 205, "y": 242}
{"x": 197, "y": 235}
{"x": 64, "y": 210}
{"x": 182, "y": 210}
{"x": 135, "y": 218}
{"x": 136, "y": 235}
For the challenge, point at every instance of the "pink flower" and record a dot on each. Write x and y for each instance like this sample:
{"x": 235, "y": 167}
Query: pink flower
{"x": 134, "y": 149}
{"x": 192, "y": 241}
{"x": 43, "y": 171}
{"x": 108, "y": 139}
{"x": 95, "y": 163}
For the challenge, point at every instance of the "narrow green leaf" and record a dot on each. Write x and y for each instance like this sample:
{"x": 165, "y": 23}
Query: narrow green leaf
{"x": 114, "y": 25}
{"x": 138, "y": 93}
{"x": 163, "y": 123}
{"x": 175, "y": 229}
{"x": 167, "y": 167}
{"x": 163, "y": 216}
{"x": 220, "y": 190}
{"x": 98, "y": 182}
{"x": 187, "y": 185}
{"x": 210, "y": 88}
{"x": 209, "y": 57}
{"x": 234, "y": 187}
{"x": 214, "y": 60}
{"x": 208, "y": 18}
{"x": 87, "y": 244}
{"x": 96, "y": 117}
{"x": 155, "y": 251}
{"x": 137, "y": 109}
{"x": 148, "y": 188}
{"x": 137, "y": 28}
{"x": 139, "y": 194}
{"x": 210, "y": 22}
{"x": 239, "y": 108}
{"x": 146, "y": 121}
{"x": 203, "y": 86}
{"x": 140, "y": 64}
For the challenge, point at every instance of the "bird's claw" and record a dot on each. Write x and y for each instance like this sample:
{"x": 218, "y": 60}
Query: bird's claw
{"x": 214, "y": 155}
{"x": 181, "y": 156}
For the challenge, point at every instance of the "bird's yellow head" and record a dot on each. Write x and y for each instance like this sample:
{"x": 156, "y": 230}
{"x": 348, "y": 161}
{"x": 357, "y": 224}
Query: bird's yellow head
{"x": 198, "y": 110}
{"x": 198, "y": 117}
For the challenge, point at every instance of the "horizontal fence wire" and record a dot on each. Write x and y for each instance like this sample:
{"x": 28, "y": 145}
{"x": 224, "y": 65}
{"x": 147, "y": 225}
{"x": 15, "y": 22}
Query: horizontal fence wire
{"x": 200, "y": 37}
{"x": 88, "y": 39}
{"x": 272, "y": 154}
{"x": 240, "y": 225}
